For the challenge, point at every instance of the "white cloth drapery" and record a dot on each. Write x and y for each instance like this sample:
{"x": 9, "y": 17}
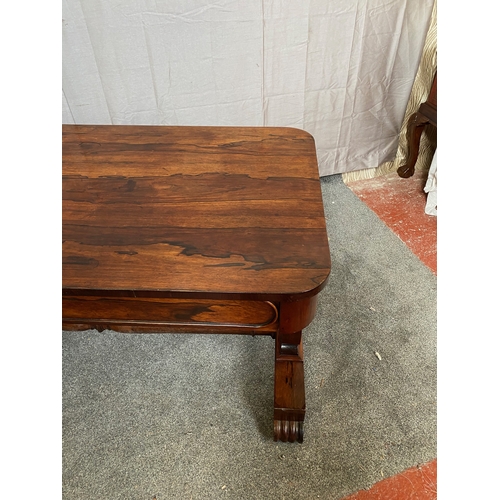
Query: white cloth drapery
{"x": 431, "y": 188}
{"x": 341, "y": 70}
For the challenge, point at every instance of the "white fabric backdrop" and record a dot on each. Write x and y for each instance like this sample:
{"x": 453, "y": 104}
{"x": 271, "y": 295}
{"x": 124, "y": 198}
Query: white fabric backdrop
{"x": 342, "y": 70}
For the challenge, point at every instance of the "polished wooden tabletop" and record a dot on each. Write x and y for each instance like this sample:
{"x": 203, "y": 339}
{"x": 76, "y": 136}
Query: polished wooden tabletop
{"x": 210, "y": 211}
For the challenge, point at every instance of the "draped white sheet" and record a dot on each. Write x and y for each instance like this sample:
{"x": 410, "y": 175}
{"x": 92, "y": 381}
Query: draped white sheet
{"x": 342, "y": 70}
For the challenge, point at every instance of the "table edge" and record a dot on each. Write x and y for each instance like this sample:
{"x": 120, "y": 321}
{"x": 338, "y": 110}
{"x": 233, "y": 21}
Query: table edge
{"x": 184, "y": 294}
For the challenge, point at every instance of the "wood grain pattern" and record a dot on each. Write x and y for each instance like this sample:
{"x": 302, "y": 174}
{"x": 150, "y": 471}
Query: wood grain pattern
{"x": 136, "y": 315}
{"x": 192, "y": 210}
{"x": 197, "y": 229}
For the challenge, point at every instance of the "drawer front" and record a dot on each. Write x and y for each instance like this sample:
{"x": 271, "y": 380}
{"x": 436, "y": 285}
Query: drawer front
{"x": 169, "y": 315}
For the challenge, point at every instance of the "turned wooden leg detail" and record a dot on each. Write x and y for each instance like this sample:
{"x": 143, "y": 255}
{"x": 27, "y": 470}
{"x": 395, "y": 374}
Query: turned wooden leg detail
{"x": 415, "y": 128}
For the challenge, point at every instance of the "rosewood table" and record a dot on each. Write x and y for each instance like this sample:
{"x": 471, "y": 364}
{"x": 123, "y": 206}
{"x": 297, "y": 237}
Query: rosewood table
{"x": 197, "y": 230}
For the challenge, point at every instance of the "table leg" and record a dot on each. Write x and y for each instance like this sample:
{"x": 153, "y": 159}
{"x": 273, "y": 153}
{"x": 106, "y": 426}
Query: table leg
{"x": 415, "y": 128}
{"x": 289, "y": 389}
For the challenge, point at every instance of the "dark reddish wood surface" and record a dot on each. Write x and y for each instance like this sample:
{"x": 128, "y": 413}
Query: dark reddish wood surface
{"x": 426, "y": 115}
{"x": 192, "y": 209}
{"x": 197, "y": 229}
{"x": 165, "y": 315}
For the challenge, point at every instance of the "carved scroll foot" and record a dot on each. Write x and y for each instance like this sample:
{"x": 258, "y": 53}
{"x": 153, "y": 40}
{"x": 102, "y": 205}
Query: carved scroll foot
{"x": 289, "y": 431}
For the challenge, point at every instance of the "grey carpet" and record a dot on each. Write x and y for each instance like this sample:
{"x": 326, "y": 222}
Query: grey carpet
{"x": 162, "y": 416}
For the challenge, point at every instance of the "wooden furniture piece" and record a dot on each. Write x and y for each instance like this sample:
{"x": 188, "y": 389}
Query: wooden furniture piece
{"x": 197, "y": 229}
{"x": 426, "y": 114}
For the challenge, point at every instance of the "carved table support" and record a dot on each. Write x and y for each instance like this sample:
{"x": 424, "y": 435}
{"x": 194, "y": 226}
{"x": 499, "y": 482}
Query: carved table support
{"x": 426, "y": 115}
{"x": 416, "y": 126}
{"x": 289, "y": 387}
{"x": 289, "y": 392}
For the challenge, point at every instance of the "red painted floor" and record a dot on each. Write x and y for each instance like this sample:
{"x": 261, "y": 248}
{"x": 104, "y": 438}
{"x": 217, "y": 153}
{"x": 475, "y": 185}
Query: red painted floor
{"x": 417, "y": 483}
{"x": 400, "y": 204}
